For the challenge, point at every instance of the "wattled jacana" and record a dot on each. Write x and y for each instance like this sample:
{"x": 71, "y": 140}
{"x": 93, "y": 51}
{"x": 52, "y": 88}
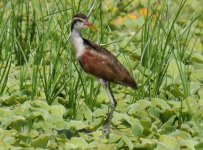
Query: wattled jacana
{"x": 99, "y": 62}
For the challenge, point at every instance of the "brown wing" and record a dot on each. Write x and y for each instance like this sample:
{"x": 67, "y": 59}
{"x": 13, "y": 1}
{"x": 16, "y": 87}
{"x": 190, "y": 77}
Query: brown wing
{"x": 101, "y": 63}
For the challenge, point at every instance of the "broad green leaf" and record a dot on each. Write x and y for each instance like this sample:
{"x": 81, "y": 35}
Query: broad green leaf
{"x": 138, "y": 107}
{"x": 120, "y": 143}
{"x": 84, "y": 112}
{"x": 57, "y": 110}
{"x": 79, "y": 142}
{"x": 113, "y": 138}
{"x": 173, "y": 70}
{"x": 128, "y": 142}
{"x": 122, "y": 105}
{"x": 34, "y": 133}
{"x": 196, "y": 66}
{"x": 67, "y": 145}
{"x": 96, "y": 122}
{"x": 41, "y": 141}
{"x": 97, "y": 134}
{"x": 196, "y": 75}
{"x": 137, "y": 129}
{"x": 5, "y": 145}
{"x": 200, "y": 93}
{"x": 198, "y": 145}
{"x": 146, "y": 144}
{"x": 194, "y": 87}
{"x": 168, "y": 126}
{"x": 76, "y": 125}
{"x": 176, "y": 89}
{"x": 197, "y": 57}
{"x": 9, "y": 140}
{"x": 166, "y": 114}
{"x": 99, "y": 113}
{"x": 181, "y": 135}
{"x": 40, "y": 104}
{"x": 160, "y": 103}
{"x": 13, "y": 100}
{"x": 55, "y": 122}
{"x": 120, "y": 118}
{"x": 20, "y": 123}
{"x": 24, "y": 139}
{"x": 154, "y": 112}
{"x": 169, "y": 142}
{"x": 5, "y": 112}
{"x": 189, "y": 144}
{"x": 40, "y": 112}
{"x": 146, "y": 122}
{"x": 100, "y": 145}
{"x": 36, "y": 116}
{"x": 23, "y": 109}
{"x": 191, "y": 104}
{"x": 101, "y": 98}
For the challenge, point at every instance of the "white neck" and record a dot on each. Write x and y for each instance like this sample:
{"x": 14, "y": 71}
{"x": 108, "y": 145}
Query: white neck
{"x": 77, "y": 42}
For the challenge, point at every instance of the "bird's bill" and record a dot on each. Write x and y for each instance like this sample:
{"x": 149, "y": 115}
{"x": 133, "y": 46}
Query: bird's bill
{"x": 91, "y": 26}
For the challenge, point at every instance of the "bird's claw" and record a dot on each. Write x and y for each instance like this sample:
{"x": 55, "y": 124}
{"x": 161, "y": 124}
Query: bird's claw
{"x": 106, "y": 131}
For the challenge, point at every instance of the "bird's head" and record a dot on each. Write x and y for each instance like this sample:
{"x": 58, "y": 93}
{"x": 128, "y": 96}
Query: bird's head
{"x": 80, "y": 21}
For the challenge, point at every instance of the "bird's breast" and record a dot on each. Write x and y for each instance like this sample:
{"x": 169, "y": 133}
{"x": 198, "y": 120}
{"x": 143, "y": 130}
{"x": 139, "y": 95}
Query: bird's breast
{"x": 78, "y": 44}
{"x": 89, "y": 61}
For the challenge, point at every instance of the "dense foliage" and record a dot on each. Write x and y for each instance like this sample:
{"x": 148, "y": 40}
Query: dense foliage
{"x": 48, "y": 102}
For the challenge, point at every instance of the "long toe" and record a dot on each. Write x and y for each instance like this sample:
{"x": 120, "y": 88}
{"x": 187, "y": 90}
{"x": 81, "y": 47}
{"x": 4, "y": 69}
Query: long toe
{"x": 105, "y": 135}
{"x": 106, "y": 130}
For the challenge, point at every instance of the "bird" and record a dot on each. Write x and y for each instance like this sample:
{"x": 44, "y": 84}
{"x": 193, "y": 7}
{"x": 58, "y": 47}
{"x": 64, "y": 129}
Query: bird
{"x": 97, "y": 61}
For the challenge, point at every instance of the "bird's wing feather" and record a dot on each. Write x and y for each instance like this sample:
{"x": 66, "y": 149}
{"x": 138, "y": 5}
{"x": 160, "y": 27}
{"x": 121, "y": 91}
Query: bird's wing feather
{"x": 101, "y": 63}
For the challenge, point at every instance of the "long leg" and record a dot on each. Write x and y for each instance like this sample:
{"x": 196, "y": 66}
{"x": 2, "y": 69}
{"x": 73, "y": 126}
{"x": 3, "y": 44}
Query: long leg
{"x": 112, "y": 99}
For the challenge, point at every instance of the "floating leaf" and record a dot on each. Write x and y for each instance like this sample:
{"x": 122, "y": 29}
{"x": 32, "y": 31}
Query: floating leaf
{"x": 194, "y": 87}
{"x": 79, "y": 142}
{"x": 139, "y": 106}
{"x": 200, "y": 93}
{"x": 13, "y": 100}
{"x": 137, "y": 129}
{"x": 36, "y": 116}
{"x": 197, "y": 75}
{"x": 198, "y": 145}
{"x": 146, "y": 122}
{"x": 76, "y": 125}
{"x": 84, "y": 112}
{"x": 160, "y": 103}
{"x": 168, "y": 126}
{"x": 121, "y": 118}
{"x": 191, "y": 104}
{"x": 154, "y": 112}
{"x": 9, "y": 140}
{"x": 168, "y": 142}
{"x": 21, "y": 124}
{"x": 113, "y": 138}
{"x": 197, "y": 57}
{"x": 173, "y": 70}
{"x": 41, "y": 141}
{"x": 190, "y": 144}
{"x": 127, "y": 141}
{"x": 181, "y": 135}
{"x": 99, "y": 113}
{"x": 40, "y": 104}
{"x": 5, "y": 112}
{"x": 167, "y": 114}
{"x": 145, "y": 144}
{"x": 57, "y": 110}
